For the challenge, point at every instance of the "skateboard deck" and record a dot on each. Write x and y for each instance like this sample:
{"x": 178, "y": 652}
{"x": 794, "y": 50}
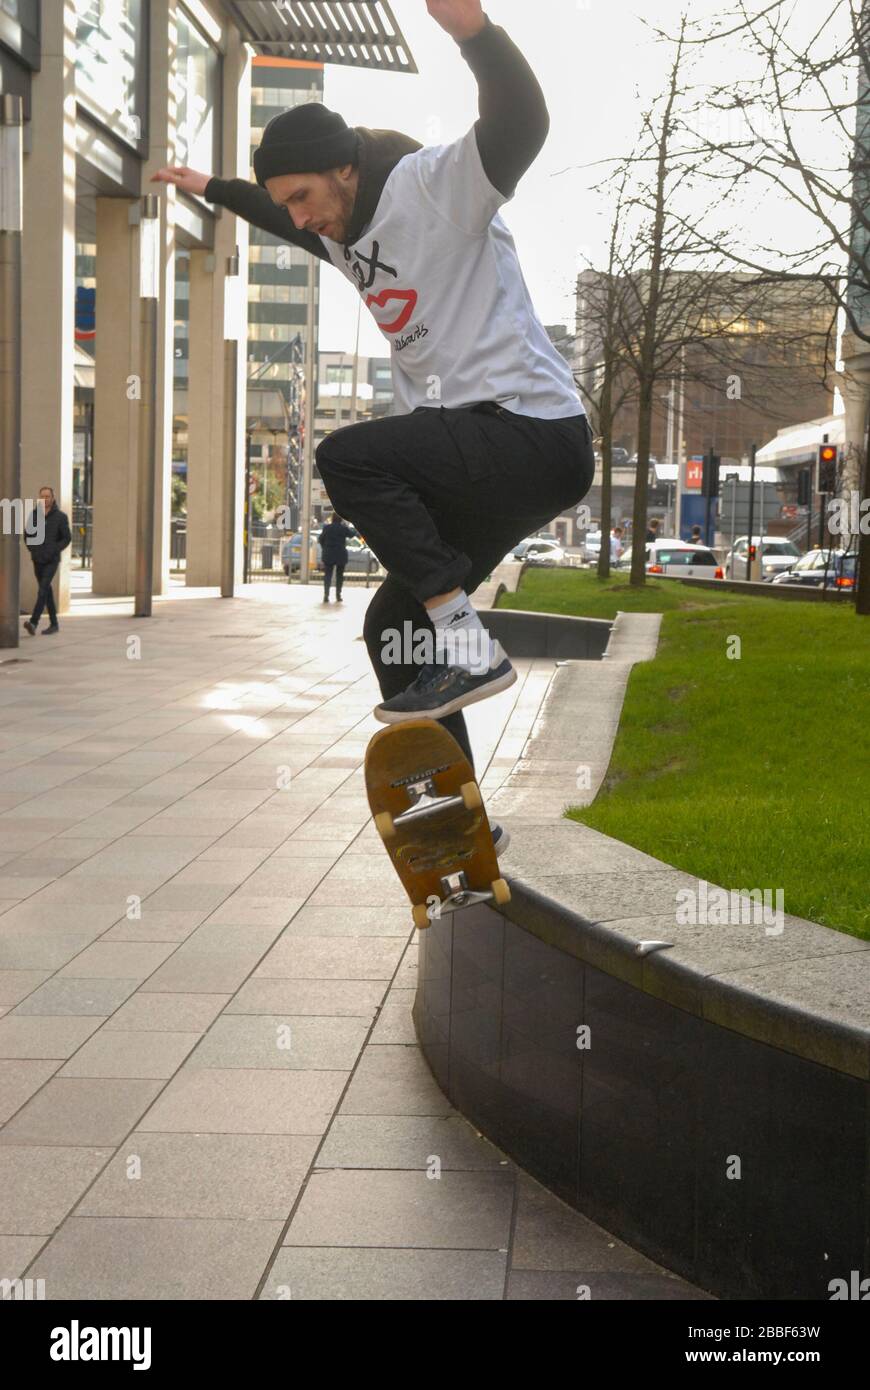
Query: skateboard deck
{"x": 429, "y": 812}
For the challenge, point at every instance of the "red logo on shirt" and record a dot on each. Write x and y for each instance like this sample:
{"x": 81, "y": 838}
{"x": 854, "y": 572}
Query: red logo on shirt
{"x": 410, "y": 298}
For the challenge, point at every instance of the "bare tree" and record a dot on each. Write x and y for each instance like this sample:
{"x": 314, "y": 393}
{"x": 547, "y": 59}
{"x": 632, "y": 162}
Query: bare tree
{"x": 809, "y": 73}
{"x": 676, "y": 294}
{"x": 605, "y": 389}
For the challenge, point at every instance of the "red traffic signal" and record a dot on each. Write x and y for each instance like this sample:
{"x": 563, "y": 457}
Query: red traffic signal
{"x": 827, "y": 469}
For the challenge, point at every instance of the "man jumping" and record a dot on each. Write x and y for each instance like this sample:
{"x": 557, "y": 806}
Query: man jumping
{"x": 489, "y": 441}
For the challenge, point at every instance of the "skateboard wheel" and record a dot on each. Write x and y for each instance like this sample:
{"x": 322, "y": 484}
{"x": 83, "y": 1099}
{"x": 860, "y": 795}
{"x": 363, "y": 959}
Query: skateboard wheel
{"x": 470, "y": 793}
{"x": 421, "y": 915}
{"x": 384, "y": 825}
{"x": 500, "y": 891}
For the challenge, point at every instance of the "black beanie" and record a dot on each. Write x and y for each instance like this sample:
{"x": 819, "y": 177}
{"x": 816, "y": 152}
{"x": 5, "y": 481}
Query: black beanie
{"x": 306, "y": 139}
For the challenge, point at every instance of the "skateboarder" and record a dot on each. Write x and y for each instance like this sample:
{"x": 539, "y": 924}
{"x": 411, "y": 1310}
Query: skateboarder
{"x": 489, "y": 441}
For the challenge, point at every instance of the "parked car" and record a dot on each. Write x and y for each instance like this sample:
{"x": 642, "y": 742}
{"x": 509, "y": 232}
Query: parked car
{"x": 618, "y": 456}
{"x": 834, "y": 569}
{"x": 677, "y": 559}
{"x": 360, "y": 559}
{"x": 540, "y": 550}
{"x": 777, "y": 554}
{"x": 592, "y": 545}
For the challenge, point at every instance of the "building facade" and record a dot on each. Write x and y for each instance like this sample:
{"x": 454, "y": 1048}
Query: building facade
{"x": 132, "y": 357}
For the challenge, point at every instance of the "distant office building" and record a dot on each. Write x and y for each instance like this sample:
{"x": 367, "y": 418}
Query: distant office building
{"x": 756, "y": 373}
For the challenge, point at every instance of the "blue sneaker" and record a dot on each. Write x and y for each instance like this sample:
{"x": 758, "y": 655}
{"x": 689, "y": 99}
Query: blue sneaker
{"x": 441, "y": 689}
{"x": 500, "y": 837}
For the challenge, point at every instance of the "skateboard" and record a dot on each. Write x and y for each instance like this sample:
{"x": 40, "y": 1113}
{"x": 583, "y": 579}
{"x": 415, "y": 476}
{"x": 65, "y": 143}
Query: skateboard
{"x": 429, "y": 812}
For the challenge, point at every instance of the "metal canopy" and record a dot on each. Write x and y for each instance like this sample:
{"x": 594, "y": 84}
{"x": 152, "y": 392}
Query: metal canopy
{"x": 353, "y": 33}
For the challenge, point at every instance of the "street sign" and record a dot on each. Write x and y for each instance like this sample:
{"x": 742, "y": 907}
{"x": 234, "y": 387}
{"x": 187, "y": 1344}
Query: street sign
{"x": 695, "y": 472}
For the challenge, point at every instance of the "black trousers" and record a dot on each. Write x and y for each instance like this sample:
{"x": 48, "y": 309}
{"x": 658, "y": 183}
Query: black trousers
{"x": 327, "y": 578}
{"x": 441, "y": 496}
{"x": 45, "y": 570}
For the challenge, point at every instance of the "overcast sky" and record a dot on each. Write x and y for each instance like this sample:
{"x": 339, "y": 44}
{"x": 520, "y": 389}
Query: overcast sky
{"x": 599, "y": 66}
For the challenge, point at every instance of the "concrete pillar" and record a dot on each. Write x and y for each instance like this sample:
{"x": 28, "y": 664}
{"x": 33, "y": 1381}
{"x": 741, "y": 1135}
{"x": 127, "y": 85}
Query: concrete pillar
{"x": 116, "y": 409}
{"x": 48, "y": 281}
{"x": 207, "y": 395}
{"x": 161, "y": 151}
{"x": 205, "y": 417}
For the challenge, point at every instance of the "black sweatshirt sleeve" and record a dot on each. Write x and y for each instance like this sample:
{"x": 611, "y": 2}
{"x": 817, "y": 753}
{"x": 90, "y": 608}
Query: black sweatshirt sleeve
{"x": 65, "y": 536}
{"x": 514, "y": 121}
{"x": 252, "y": 203}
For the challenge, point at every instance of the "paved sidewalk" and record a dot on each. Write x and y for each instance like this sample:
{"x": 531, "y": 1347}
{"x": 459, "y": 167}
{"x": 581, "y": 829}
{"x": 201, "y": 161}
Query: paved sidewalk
{"x": 208, "y": 1073}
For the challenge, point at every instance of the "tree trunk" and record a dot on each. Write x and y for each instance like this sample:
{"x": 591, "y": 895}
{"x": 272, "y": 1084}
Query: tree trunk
{"x": 862, "y": 593}
{"x": 605, "y": 415}
{"x": 641, "y": 481}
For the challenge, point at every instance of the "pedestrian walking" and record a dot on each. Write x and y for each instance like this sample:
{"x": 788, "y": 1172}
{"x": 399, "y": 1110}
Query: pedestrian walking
{"x": 47, "y": 535}
{"x": 333, "y": 544}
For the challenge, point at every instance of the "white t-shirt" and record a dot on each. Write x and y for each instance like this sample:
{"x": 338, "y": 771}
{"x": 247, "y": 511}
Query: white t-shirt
{"x": 439, "y": 271}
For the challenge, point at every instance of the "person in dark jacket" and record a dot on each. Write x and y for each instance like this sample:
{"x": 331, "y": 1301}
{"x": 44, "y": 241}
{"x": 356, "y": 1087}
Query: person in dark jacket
{"x": 46, "y": 537}
{"x": 333, "y": 542}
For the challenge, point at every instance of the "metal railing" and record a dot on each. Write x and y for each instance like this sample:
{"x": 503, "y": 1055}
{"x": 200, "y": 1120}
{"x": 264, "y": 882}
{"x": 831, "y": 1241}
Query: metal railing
{"x": 82, "y": 528}
{"x": 265, "y": 564}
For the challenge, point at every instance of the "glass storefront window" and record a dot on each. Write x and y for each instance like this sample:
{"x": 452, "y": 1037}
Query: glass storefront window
{"x": 198, "y": 85}
{"x": 111, "y": 51}
{"x": 24, "y": 12}
{"x": 19, "y": 31}
{"x": 182, "y": 320}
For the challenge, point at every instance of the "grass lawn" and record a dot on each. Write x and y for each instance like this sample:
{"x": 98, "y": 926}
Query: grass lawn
{"x": 749, "y": 772}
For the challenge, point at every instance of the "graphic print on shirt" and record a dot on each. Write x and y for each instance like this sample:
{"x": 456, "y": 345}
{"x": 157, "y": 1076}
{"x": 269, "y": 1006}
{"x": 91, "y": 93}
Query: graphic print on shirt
{"x": 438, "y": 270}
{"x": 386, "y": 298}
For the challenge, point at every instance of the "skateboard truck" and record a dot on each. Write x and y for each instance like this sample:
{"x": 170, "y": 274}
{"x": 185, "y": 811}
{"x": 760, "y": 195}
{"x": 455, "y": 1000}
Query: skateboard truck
{"x": 426, "y": 802}
{"x": 458, "y": 894}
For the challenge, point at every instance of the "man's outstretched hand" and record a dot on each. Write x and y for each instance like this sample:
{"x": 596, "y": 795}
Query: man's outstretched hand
{"x": 188, "y": 180}
{"x": 462, "y": 19}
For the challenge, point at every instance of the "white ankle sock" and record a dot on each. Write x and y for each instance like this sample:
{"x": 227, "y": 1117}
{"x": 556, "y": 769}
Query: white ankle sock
{"x": 460, "y": 637}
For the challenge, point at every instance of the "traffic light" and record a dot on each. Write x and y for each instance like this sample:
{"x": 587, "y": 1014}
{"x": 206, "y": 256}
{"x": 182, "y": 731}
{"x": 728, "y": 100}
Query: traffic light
{"x": 804, "y": 487}
{"x": 710, "y": 476}
{"x": 827, "y": 469}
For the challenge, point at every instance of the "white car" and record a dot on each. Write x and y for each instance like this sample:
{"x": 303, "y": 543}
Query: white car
{"x": 592, "y": 545}
{"x": 678, "y": 560}
{"x": 777, "y": 554}
{"x": 539, "y": 550}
